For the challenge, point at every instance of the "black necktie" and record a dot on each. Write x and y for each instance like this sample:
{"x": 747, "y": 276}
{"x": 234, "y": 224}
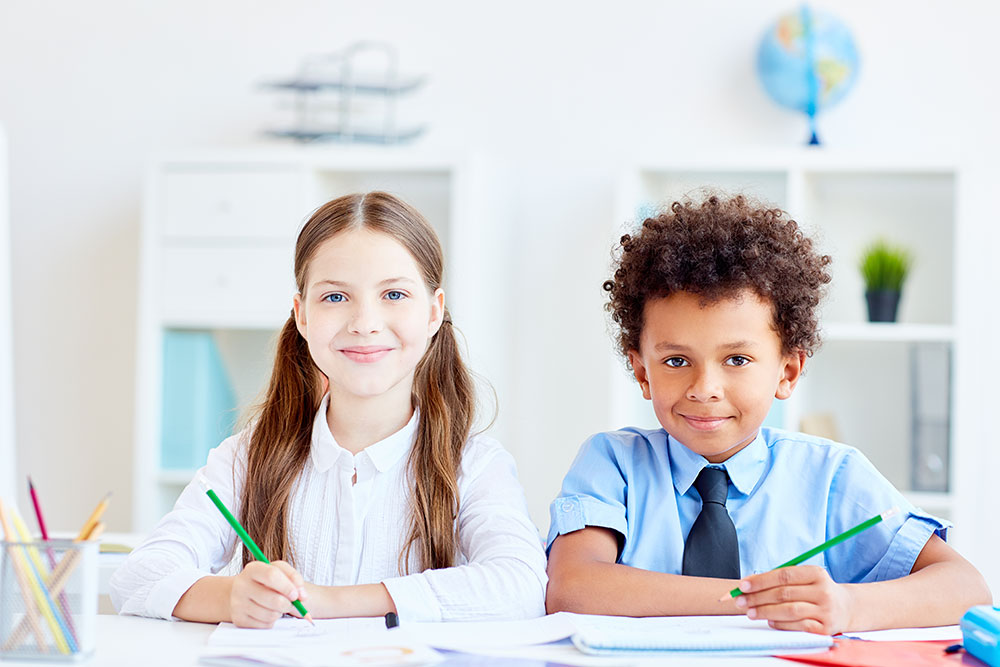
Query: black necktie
{"x": 711, "y": 548}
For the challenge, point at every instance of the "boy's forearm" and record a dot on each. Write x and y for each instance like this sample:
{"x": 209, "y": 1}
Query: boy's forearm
{"x": 936, "y": 595}
{"x": 596, "y": 587}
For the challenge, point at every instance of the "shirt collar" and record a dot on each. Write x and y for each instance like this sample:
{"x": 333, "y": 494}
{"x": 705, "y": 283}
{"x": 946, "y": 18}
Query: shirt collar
{"x": 384, "y": 454}
{"x": 745, "y": 467}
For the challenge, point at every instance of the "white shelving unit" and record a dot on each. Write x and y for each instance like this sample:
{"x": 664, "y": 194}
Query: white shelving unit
{"x": 216, "y": 261}
{"x": 887, "y": 389}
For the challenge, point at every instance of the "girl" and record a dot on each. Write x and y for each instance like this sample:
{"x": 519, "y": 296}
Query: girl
{"x": 358, "y": 476}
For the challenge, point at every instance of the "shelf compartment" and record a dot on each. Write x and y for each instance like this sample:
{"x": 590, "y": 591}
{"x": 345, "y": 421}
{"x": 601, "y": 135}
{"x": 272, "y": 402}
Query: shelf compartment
{"x": 902, "y": 421}
{"x": 845, "y": 212}
{"x": 210, "y": 379}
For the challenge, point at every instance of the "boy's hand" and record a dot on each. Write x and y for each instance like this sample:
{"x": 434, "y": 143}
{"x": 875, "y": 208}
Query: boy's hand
{"x": 262, "y": 593}
{"x": 797, "y": 598}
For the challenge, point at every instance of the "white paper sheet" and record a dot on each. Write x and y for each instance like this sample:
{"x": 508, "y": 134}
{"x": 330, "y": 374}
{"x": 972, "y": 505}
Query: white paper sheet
{"x": 942, "y": 633}
{"x": 296, "y": 630}
{"x": 494, "y": 634}
{"x": 322, "y": 655}
{"x": 341, "y": 642}
{"x": 719, "y": 635}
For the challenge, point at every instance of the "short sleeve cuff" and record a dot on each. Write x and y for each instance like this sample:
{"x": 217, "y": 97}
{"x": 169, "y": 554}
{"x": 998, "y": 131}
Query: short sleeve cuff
{"x": 909, "y": 541}
{"x": 572, "y": 513}
{"x": 415, "y": 601}
{"x": 163, "y": 597}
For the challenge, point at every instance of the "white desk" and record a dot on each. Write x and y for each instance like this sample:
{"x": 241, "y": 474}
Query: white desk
{"x": 128, "y": 640}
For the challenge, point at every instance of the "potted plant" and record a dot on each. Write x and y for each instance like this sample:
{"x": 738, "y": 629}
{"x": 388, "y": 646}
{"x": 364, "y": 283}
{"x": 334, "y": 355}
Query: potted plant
{"x": 884, "y": 267}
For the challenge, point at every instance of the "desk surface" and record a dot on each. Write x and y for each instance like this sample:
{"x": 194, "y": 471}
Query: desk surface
{"x": 129, "y": 640}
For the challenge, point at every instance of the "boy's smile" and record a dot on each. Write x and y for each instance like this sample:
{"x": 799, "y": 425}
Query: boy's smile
{"x": 712, "y": 370}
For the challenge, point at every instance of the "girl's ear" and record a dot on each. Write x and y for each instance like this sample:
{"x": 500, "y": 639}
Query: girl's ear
{"x": 437, "y": 312}
{"x": 791, "y": 371}
{"x": 639, "y": 370}
{"x": 300, "y": 314}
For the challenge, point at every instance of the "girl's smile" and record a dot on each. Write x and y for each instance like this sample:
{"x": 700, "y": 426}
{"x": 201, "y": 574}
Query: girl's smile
{"x": 366, "y": 354}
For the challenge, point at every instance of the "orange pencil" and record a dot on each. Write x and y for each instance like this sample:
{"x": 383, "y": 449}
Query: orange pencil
{"x": 95, "y": 516}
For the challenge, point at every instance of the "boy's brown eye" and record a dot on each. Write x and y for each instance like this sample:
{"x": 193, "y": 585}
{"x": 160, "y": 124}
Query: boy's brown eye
{"x": 738, "y": 360}
{"x": 675, "y": 362}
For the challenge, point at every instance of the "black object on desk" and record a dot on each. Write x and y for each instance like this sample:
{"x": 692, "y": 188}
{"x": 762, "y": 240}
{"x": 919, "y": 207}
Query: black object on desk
{"x": 391, "y": 620}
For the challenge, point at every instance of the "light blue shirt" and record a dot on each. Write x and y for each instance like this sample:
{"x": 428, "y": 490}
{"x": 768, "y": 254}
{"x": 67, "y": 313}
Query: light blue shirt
{"x": 789, "y": 492}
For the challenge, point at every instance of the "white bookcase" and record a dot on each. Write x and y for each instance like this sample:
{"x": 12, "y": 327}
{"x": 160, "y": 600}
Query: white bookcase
{"x": 216, "y": 280}
{"x": 888, "y": 389}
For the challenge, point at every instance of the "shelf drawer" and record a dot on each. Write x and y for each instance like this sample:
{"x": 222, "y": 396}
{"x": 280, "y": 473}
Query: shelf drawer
{"x": 249, "y": 287}
{"x": 258, "y": 203}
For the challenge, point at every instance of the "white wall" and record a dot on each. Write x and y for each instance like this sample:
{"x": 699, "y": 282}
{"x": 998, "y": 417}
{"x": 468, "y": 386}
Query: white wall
{"x": 8, "y": 453}
{"x": 557, "y": 96}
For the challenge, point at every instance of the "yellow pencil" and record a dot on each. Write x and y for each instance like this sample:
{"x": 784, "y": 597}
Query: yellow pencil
{"x": 35, "y": 578}
{"x": 57, "y": 581}
{"x": 22, "y": 582}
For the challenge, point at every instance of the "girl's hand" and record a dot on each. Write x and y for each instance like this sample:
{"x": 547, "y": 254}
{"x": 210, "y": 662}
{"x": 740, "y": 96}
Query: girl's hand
{"x": 262, "y": 593}
{"x": 797, "y": 598}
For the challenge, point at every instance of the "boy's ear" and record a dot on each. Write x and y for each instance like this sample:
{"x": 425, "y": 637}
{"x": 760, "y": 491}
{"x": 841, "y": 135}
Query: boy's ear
{"x": 791, "y": 371}
{"x": 639, "y": 370}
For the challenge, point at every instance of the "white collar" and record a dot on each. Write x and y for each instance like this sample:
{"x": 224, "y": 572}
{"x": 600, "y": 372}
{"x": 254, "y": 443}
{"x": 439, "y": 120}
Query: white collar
{"x": 383, "y": 454}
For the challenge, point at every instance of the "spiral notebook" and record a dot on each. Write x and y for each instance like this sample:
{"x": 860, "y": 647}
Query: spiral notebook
{"x": 711, "y": 635}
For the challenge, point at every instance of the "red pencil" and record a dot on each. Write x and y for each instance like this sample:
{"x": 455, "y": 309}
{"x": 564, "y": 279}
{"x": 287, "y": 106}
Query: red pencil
{"x": 38, "y": 509}
{"x": 63, "y": 601}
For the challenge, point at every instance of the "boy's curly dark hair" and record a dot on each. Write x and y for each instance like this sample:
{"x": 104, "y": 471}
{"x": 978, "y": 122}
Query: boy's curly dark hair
{"x": 715, "y": 248}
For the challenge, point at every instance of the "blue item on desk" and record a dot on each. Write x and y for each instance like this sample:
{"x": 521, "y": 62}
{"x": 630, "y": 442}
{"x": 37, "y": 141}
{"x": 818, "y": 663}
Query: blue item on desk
{"x": 981, "y": 633}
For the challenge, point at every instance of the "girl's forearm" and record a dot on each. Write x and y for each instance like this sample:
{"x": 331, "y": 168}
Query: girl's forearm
{"x": 207, "y": 601}
{"x": 344, "y": 601}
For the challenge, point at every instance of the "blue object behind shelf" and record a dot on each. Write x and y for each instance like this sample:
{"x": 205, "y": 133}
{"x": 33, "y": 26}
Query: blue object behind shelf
{"x": 199, "y": 405}
{"x": 981, "y": 633}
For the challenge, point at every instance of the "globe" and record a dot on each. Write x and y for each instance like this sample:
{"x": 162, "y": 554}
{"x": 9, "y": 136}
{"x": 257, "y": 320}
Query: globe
{"x": 807, "y": 62}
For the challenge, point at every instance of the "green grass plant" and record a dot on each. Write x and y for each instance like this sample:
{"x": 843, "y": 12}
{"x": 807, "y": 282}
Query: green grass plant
{"x": 885, "y": 266}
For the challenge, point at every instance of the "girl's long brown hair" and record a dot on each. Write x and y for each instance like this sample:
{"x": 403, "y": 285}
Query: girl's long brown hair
{"x": 443, "y": 392}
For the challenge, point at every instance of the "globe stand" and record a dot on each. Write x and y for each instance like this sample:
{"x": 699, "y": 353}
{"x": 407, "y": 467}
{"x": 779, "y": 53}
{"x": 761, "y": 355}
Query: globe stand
{"x": 813, "y": 137}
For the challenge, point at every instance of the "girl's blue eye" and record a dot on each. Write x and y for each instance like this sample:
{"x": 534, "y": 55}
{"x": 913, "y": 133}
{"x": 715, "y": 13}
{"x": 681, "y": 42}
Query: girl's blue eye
{"x": 336, "y": 297}
{"x": 676, "y": 362}
{"x": 394, "y": 295}
{"x": 737, "y": 360}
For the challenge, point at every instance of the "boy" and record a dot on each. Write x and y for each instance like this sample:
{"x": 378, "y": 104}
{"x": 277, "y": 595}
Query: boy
{"x": 715, "y": 305}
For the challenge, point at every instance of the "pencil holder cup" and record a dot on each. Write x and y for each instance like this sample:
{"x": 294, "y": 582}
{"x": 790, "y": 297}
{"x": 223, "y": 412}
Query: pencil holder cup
{"x": 48, "y": 600}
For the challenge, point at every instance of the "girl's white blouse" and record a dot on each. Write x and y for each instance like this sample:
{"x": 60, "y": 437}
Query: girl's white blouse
{"x": 352, "y": 533}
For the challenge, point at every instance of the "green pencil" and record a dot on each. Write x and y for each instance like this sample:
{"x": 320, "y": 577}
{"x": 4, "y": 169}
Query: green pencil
{"x": 247, "y": 540}
{"x": 833, "y": 541}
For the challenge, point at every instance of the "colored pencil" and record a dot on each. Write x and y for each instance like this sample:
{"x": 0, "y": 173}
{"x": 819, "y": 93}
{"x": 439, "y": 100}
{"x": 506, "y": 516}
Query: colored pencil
{"x": 833, "y": 541}
{"x": 63, "y": 602}
{"x": 50, "y": 611}
{"x": 247, "y": 540}
{"x": 22, "y": 581}
{"x": 57, "y": 582}
{"x": 38, "y": 510}
{"x": 95, "y": 516}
